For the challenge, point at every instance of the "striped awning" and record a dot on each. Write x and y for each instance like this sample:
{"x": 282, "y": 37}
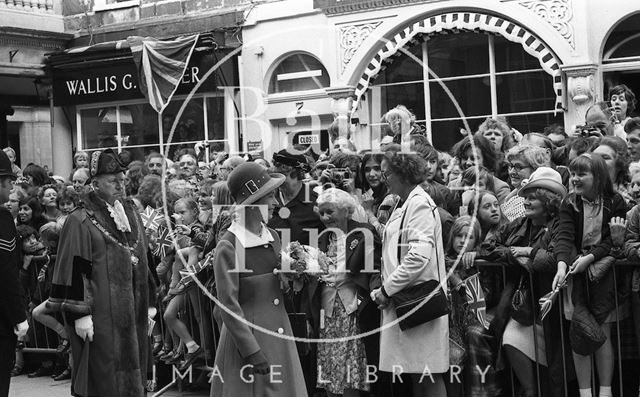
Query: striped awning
{"x": 464, "y": 21}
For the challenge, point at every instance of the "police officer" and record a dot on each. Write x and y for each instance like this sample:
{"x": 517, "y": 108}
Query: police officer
{"x": 13, "y": 316}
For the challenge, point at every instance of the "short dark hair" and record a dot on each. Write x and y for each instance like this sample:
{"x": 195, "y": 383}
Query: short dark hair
{"x": 622, "y": 157}
{"x": 628, "y": 95}
{"x": 68, "y": 194}
{"x": 409, "y": 167}
{"x": 39, "y": 175}
{"x": 632, "y": 124}
{"x": 594, "y": 163}
{"x": 489, "y": 155}
{"x": 554, "y": 128}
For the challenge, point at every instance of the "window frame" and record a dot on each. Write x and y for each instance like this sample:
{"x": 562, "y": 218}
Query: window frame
{"x": 376, "y": 98}
{"x": 230, "y": 135}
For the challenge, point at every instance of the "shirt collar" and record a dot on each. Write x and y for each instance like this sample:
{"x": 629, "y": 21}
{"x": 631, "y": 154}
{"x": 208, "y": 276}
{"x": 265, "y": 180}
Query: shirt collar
{"x": 248, "y": 239}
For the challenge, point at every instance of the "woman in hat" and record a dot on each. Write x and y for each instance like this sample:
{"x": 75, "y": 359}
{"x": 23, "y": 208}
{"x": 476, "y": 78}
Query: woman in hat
{"x": 585, "y": 227}
{"x": 256, "y": 355}
{"x": 527, "y": 245}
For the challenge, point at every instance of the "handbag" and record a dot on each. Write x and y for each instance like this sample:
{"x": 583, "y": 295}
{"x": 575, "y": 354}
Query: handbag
{"x": 521, "y": 303}
{"x": 417, "y": 295}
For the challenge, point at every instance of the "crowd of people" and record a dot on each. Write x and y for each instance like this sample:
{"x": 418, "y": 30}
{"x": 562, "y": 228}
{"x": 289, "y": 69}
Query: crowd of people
{"x": 505, "y": 218}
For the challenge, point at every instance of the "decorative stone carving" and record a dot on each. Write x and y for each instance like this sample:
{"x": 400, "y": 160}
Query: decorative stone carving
{"x": 351, "y": 37}
{"x": 581, "y": 84}
{"x": 558, "y": 13}
{"x": 581, "y": 91}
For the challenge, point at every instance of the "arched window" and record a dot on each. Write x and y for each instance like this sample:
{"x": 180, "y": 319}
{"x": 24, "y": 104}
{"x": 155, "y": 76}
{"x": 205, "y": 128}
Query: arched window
{"x": 621, "y": 57}
{"x": 623, "y": 44}
{"x": 487, "y": 75}
{"x": 298, "y": 72}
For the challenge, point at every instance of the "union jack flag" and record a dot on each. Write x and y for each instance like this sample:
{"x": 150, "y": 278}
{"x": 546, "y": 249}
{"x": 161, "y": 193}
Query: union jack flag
{"x": 164, "y": 242}
{"x": 151, "y": 218}
{"x": 475, "y": 299}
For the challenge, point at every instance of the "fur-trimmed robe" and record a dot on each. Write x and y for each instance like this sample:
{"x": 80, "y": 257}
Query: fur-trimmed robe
{"x": 95, "y": 276}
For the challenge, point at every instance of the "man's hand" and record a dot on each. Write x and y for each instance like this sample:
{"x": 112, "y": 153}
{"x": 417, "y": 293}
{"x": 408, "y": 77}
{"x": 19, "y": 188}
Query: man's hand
{"x": 84, "y": 328}
{"x": 21, "y": 329}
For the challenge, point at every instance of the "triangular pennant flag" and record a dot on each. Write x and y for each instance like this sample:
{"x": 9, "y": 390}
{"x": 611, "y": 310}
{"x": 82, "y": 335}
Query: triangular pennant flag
{"x": 475, "y": 299}
{"x": 161, "y": 65}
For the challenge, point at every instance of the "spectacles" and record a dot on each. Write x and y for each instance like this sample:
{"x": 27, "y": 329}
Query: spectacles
{"x": 516, "y": 167}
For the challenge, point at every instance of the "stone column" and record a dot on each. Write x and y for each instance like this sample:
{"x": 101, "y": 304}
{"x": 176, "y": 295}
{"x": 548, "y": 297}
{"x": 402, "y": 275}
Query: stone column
{"x": 341, "y": 106}
{"x": 580, "y": 92}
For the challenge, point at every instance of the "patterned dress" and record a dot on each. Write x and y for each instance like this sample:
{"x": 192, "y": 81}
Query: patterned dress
{"x": 341, "y": 365}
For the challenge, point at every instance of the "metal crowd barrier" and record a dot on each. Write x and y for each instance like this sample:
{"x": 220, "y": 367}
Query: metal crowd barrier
{"x": 622, "y": 381}
{"x": 626, "y": 377}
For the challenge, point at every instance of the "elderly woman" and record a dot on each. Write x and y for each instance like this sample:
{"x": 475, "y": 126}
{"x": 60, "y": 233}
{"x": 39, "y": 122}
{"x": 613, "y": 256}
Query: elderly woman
{"x": 522, "y": 161}
{"x": 48, "y": 196}
{"x": 412, "y": 254}
{"x": 344, "y": 295}
{"x": 249, "y": 296}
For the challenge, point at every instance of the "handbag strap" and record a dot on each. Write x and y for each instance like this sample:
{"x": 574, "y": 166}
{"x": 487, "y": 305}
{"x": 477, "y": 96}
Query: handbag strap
{"x": 435, "y": 246}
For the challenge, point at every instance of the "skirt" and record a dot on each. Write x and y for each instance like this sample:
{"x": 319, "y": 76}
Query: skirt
{"x": 341, "y": 365}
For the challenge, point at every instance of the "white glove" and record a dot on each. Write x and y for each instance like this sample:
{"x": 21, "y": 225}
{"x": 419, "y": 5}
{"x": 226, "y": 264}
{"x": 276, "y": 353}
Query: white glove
{"x": 21, "y": 329}
{"x": 84, "y": 328}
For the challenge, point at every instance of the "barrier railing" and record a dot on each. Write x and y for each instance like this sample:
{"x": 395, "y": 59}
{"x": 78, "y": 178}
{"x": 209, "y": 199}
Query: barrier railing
{"x": 624, "y": 341}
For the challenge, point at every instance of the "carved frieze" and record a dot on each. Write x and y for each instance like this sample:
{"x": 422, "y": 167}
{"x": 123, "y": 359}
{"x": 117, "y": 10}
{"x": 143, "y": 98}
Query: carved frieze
{"x": 351, "y": 37}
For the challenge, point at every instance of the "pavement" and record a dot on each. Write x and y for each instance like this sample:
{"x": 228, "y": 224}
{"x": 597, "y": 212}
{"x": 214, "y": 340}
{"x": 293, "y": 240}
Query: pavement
{"x": 21, "y": 386}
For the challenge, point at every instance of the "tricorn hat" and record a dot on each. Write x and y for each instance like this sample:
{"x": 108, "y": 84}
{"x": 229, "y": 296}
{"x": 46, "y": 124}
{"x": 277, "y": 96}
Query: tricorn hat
{"x": 249, "y": 182}
{"x": 6, "y": 166}
{"x": 105, "y": 162}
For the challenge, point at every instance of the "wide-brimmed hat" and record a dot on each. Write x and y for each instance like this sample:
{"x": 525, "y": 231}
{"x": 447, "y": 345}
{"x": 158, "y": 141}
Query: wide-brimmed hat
{"x": 249, "y": 182}
{"x": 6, "y": 168}
{"x": 544, "y": 178}
{"x": 105, "y": 162}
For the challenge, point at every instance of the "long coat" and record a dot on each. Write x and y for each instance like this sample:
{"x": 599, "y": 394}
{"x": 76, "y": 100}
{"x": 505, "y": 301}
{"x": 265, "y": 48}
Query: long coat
{"x": 425, "y": 347}
{"x": 95, "y": 275}
{"x": 253, "y": 299}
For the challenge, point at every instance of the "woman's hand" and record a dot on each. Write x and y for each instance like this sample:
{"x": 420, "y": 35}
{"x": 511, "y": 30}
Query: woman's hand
{"x": 560, "y": 275}
{"x": 618, "y": 228}
{"x": 468, "y": 260}
{"x": 581, "y": 263}
{"x": 259, "y": 362}
{"x": 521, "y": 251}
{"x": 381, "y": 300}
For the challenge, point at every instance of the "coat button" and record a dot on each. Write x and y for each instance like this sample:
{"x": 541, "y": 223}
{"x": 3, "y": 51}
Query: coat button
{"x": 276, "y": 301}
{"x": 266, "y": 246}
{"x": 280, "y": 331}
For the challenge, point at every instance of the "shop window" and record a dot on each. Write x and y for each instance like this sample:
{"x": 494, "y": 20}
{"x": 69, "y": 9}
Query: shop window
{"x": 137, "y": 128}
{"x": 487, "y": 75}
{"x": 298, "y": 72}
{"x": 101, "y": 128}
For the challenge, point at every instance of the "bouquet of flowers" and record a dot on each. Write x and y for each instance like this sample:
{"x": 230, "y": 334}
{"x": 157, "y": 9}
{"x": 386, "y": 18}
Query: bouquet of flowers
{"x": 300, "y": 262}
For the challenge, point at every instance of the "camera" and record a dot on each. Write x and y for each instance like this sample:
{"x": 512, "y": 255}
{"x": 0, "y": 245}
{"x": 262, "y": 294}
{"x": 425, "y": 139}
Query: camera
{"x": 340, "y": 178}
{"x": 587, "y": 131}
